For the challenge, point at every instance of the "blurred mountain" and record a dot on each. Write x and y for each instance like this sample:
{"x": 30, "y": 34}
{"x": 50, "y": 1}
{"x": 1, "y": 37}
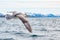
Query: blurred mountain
{"x": 51, "y": 15}
{"x": 40, "y": 15}
{"x": 35, "y": 15}
{"x": 2, "y": 15}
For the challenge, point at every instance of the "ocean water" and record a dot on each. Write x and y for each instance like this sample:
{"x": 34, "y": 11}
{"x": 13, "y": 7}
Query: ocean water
{"x": 43, "y": 29}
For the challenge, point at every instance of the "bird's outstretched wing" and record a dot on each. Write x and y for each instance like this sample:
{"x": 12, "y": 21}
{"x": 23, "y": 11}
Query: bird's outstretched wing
{"x": 25, "y": 22}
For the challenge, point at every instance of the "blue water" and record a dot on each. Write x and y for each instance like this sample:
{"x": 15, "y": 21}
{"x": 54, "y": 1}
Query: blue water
{"x": 43, "y": 29}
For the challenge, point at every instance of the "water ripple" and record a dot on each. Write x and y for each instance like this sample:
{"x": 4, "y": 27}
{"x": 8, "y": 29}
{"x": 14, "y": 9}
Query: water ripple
{"x": 7, "y": 39}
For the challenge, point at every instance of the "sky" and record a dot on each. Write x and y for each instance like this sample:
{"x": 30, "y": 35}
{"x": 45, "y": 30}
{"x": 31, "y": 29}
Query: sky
{"x": 34, "y": 6}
